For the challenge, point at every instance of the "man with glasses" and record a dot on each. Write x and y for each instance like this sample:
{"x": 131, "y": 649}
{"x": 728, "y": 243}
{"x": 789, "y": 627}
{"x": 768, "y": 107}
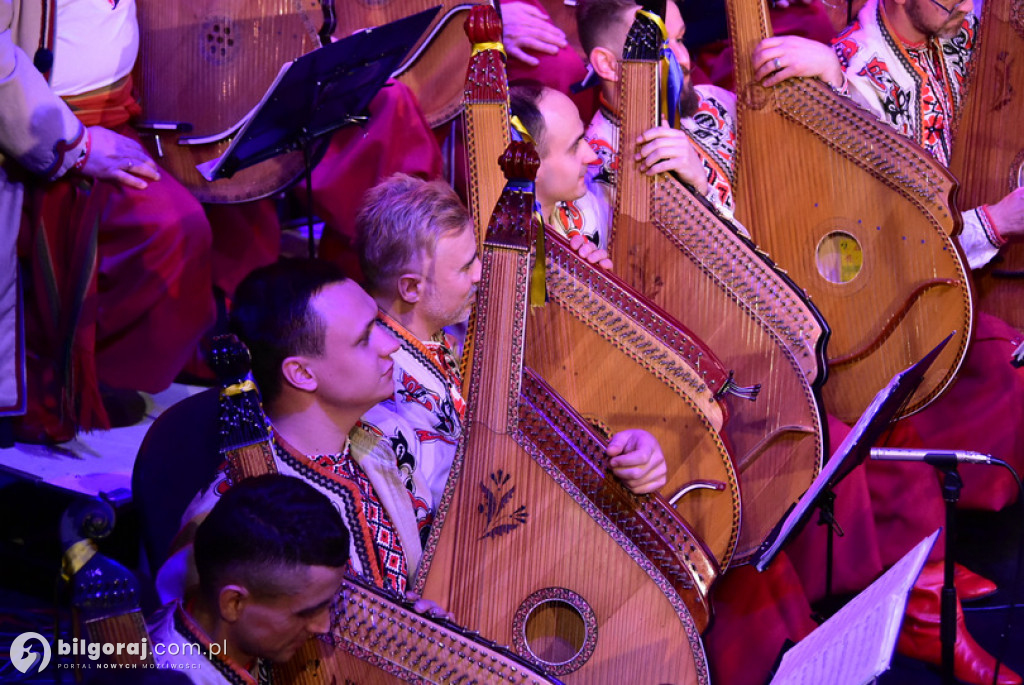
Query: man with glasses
{"x": 907, "y": 60}
{"x": 985, "y": 405}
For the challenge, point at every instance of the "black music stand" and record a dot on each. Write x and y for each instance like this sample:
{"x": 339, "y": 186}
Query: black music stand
{"x": 317, "y": 94}
{"x": 850, "y": 454}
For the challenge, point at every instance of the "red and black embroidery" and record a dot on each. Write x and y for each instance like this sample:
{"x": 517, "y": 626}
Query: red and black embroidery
{"x": 714, "y": 133}
{"x": 845, "y": 47}
{"x": 374, "y": 536}
{"x": 439, "y": 359}
{"x": 193, "y": 634}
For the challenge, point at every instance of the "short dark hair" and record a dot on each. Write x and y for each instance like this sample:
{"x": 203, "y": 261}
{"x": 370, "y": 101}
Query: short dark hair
{"x": 524, "y": 102}
{"x": 262, "y": 528}
{"x": 271, "y": 315}
{"x": 595, "y": 18}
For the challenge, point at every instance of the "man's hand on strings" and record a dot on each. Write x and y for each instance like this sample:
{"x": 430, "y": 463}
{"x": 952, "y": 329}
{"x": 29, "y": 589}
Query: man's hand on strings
{"x": 526, "y": 28}
{"x": 427, "y": 607}
{"x": 783, "y": 57}
{"x": 662, "y": 149}
{"x": 586, "y": 249}
{"x": 637, "y": 460}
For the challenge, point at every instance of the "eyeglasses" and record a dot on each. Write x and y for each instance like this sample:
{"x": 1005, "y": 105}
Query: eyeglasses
{"x": 947, "y": 10}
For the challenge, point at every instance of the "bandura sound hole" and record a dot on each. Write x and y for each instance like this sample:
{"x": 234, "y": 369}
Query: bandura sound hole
{"x": 839, "y": 257}
{"x": 555, "y": 632}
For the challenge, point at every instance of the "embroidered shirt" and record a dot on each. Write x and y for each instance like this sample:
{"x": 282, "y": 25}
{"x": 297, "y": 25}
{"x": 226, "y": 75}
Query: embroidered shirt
{"x": 377, "y": 544}
{"x": 364, "y": 483}
{"x": 172, "y": 625}
{"x": 428, "y": 399}
{"x": 918, "y": 90}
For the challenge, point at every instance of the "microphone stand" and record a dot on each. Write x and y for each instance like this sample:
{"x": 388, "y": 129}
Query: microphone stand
{"x": 827, "y": 517}
{"x": 952, "y": 484}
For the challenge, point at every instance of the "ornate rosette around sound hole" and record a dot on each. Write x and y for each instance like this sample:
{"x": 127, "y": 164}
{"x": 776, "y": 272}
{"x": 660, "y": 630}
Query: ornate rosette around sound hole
{"x": 551, "y": 597}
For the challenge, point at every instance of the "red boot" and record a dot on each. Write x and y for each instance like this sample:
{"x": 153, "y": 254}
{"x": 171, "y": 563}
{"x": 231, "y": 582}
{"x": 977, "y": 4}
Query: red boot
{"x": 970, "y": 585}
{"x": 919, "y": 636}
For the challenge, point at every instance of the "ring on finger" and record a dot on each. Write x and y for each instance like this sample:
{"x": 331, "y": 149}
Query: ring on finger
{"x": 777, "y": 63}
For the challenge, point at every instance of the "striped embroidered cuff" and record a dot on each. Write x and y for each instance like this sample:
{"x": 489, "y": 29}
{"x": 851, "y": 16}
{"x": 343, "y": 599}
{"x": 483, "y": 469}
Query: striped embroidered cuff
{"x": 68, "y": 154}
{"x": 83, "y": 154}
{"x": 991, "y": 232}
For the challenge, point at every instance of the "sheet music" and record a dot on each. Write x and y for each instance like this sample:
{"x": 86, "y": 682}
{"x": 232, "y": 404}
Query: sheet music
{"x": 856, "y": 644}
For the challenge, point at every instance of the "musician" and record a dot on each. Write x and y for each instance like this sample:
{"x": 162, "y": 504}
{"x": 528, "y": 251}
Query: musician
{"x": 984, "y": 409}
{"x": 923, "y": 105}
{"x": 41, "y": 135}
{"x": 321, "y": 362}
{"x": 773, "y": 606}
{"x": 418, "y": 251}
{"x": 117, "y": 259}
{"x": 270, "y": 556}
{"x": 905, "y": 502}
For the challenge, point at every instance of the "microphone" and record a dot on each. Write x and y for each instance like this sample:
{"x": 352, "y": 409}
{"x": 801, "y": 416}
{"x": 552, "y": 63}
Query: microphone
{"x": 933, "y": 457}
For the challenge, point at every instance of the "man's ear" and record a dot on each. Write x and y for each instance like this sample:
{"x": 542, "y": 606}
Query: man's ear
{"x": 231, "y": 601}
{"x": 410, "y": 288}
{"x": 605, "y": 64}
{"x": 297, "y": 374}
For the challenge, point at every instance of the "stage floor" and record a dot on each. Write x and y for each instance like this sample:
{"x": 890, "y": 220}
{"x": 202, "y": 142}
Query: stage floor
{"x": 96, "y": 463}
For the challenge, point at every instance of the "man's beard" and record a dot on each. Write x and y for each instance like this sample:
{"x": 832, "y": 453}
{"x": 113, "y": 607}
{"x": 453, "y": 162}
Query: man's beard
{"x": 946, "y": 30}
{"x": 689, "y": 101}
{"x": 952, "y": 27}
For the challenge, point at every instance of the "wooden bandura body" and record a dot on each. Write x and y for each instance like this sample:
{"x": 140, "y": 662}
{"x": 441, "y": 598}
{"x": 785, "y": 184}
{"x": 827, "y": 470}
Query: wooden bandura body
{"x": 534, "y": 541}
{"x": 673, "y": 249}
{"x": 678, "y": 405}
{"x": 379, "y": 639}
{"x": 817, "y": 176}
{"x": 988, "y": 150}
{"x": 623, "y": 363}
{"x": 208, "y": 64}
